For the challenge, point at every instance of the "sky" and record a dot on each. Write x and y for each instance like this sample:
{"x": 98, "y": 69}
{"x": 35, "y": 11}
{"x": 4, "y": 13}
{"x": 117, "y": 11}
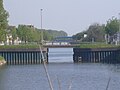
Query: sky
{"x": 71, "y": 16}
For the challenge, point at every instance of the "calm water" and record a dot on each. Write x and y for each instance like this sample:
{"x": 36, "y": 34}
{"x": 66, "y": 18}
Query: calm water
{"x": 87, "y": 76}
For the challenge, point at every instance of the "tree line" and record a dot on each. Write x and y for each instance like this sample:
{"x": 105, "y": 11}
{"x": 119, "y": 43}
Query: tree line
{"x": 28, "y": 33}
{"x": 99, "y": 32}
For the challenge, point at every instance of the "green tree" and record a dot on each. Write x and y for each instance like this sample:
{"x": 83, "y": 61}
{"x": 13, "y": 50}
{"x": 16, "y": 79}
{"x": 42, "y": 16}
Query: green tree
{"x": 11, "y": 30}
{"x": 79, "y": 36}
{"x": 37, "y": 36}
{"x": 28, "y": 34}
{"x": 54, "y": 33}
{"x": 3, "y": 21}
{"x": 14, "y": 33}
{"x": 47, "y": 36}
{"x": 112, "y": 26}
{"x": 95, "y": 32}
{"x": 22, "y": 32}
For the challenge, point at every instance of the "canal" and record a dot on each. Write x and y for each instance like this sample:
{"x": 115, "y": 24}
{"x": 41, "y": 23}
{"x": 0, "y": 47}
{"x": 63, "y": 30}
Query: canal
{"x": 60, "y": 55}
{"x": 64, "y": 73}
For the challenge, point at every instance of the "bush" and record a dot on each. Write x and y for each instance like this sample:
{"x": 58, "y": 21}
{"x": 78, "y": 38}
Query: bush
{"x": 1, "y": 58}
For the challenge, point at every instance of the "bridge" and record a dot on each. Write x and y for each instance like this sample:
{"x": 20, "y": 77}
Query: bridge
{"x": 60, "y": 46}
{"x": 60, "y": 42}
{"x": 63, "y": 39}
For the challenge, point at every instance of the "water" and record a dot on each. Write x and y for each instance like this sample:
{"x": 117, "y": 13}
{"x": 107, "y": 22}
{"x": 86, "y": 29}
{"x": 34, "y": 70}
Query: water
{"x": 87, "y": 76}
{"x": 60, "y": 55}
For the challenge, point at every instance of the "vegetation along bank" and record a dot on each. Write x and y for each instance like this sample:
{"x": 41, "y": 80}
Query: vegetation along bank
{"x": 2, "y": 61}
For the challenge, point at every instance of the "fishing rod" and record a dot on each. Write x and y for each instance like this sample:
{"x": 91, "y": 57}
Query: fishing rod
{"x": 46, "y": 70}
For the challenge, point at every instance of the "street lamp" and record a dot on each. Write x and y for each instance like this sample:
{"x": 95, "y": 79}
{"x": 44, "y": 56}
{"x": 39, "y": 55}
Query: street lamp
{"x": 41, "y": 28}
{"x": 119, "y": 29}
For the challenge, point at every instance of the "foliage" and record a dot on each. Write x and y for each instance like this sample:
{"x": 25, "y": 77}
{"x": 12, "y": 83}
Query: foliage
{"x": 112, "y": 26}
{"x": 79, "y": 36}
{"x": 22, "y": 32}
{"x": 1, "y": 58}
{"x": 102, "y": 45}
{"x": 14, "y": 33}
{"x": 11, "y": 30}
{"x": 28, "y": 33}
{"x": 25, "y": 46}
{"x": 54, "y": 33}
{"x": 3, "y": 21}
{"x": 95, "y": 31}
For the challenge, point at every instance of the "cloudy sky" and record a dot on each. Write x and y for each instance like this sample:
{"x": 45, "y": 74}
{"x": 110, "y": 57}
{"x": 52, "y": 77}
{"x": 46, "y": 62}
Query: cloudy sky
{"x": 71, "y": 16}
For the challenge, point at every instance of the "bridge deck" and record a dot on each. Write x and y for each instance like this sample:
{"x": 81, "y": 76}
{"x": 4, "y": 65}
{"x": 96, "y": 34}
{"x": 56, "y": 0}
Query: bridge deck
{"x": 59, "y": 46}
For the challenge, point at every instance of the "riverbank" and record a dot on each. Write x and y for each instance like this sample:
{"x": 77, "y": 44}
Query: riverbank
{"x": 2, "y": 61}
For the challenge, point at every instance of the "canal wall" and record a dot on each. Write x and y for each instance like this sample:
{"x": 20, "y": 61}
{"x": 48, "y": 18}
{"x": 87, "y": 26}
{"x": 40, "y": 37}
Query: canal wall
{"x": 96, "y": 55}
{"x": 24, "y": 56}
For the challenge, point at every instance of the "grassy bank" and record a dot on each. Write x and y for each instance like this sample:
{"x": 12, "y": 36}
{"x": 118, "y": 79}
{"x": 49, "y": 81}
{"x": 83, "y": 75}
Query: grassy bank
{"x": 1, "y": 58}
{"x": 25, "y": 46}
{"x": 85, "y": 45}
{"x": 2, "y": 61}
{"x": 98, "y": 46}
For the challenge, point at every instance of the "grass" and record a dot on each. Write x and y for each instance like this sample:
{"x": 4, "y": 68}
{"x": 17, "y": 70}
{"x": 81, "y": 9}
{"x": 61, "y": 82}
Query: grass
{"x": 82, "y": 45}
{"x": 25, "y": 46}
{"x": 1, "y": 58}
{"x": 97, "y": 46}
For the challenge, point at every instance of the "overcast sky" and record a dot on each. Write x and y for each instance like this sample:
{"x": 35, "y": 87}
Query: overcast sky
{"x": 71, "y": 16}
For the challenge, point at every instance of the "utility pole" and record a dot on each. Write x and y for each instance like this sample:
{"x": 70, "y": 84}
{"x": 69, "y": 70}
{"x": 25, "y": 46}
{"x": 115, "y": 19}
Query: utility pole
{"x": 118, "y": 35}
{"x": 41, "y": 28}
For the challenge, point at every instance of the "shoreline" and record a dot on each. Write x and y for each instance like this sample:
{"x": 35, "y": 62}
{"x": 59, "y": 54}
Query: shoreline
{"x": 2, "y": 62}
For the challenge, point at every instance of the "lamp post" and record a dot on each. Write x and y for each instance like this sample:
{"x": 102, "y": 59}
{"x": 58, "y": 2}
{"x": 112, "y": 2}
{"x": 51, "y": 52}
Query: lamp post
{"x": 41, "y": 28}
{"x": 119, "y": 29}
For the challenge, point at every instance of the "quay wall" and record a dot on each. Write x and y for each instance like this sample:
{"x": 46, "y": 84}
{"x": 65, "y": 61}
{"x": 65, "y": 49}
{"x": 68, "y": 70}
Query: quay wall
{"x": 24, "y": 56}
{"x": 96, "y": 55}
